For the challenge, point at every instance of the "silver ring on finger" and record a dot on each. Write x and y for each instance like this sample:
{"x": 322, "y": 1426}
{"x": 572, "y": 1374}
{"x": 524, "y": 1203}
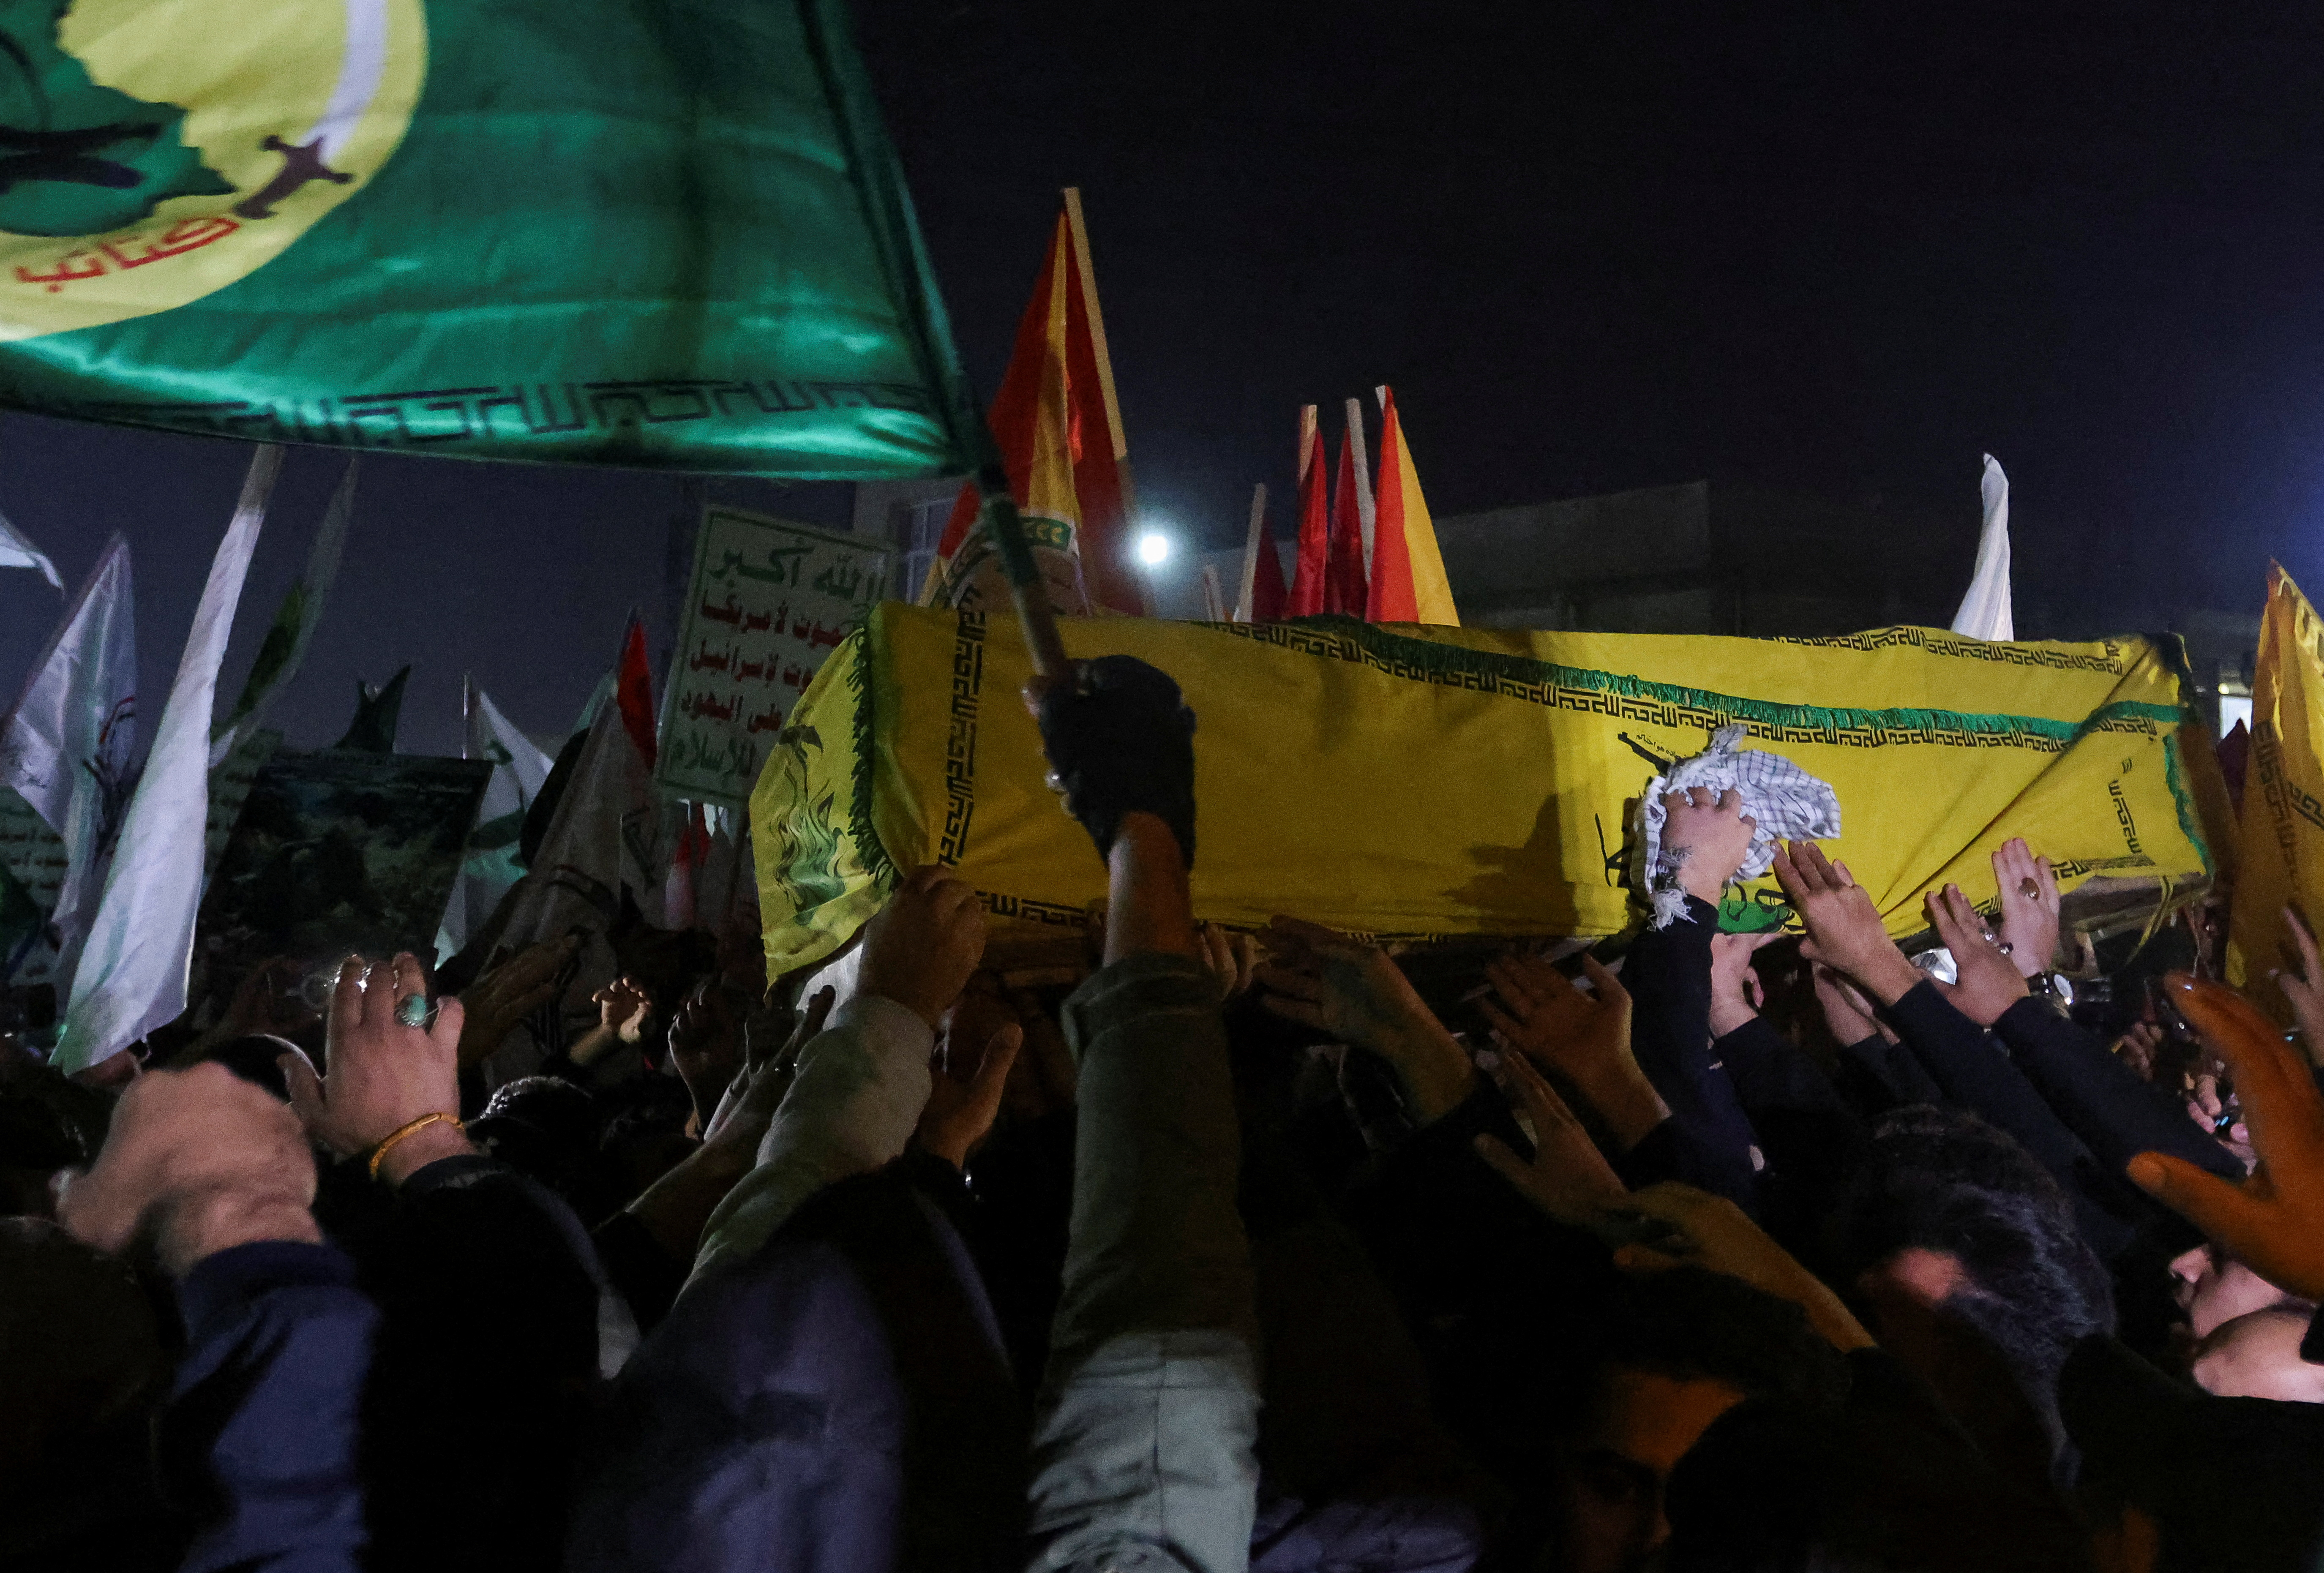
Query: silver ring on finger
{"x": 413, "y": 1010}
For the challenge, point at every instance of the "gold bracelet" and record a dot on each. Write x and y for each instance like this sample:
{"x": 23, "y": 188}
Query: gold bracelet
{"x": 400, "y": 1132}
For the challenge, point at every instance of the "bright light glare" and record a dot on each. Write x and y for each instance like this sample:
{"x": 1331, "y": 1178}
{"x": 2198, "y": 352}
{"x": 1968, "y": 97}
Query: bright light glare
{"x": 1153, "y": 549}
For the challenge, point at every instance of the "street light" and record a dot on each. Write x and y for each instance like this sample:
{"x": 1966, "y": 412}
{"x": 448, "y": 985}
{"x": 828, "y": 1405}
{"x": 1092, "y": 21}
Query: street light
{"x": 1153, "y": 549}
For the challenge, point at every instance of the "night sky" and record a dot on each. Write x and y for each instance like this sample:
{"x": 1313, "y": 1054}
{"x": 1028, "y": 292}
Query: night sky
{"x": 1593, "y": 247}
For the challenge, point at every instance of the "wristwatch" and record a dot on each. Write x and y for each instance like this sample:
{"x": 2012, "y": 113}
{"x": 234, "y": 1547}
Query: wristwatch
{"x": 2050, "y": 985}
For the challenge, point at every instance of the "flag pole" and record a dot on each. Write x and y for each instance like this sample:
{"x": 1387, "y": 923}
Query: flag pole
{"x": 1034, "y": 615}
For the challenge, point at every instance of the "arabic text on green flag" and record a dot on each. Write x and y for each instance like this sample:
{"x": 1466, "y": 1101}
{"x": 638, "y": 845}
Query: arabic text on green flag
{"x": 670, "y": 234}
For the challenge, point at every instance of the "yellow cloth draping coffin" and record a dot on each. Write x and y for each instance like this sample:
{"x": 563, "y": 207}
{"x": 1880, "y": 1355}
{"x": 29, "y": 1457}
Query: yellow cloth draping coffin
{"x": 2279, "y": 851}
{"x": 1409, "y": 781}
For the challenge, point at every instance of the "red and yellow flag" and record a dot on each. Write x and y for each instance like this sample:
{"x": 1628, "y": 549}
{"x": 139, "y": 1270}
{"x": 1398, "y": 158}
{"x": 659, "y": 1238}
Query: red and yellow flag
{"x": 1408, "y": 582}
{"x": 1343, "y": 584}
{"x": 1059, "y": 427}
{"x": 1310, "y": 569}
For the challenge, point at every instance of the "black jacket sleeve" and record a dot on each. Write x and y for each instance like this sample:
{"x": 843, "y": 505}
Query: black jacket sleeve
{"x": 2117, "y": 1113}
{"x": 261, "y": 1428}
{"x": 1813, "y": 1142}
{"x": 1668, "y": 977}
{"x": 1876, "y": 1076}
{"x": 1976, "y": 1075}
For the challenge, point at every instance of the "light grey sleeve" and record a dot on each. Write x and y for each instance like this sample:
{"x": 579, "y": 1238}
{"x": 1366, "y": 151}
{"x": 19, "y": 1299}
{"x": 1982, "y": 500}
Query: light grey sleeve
{"x": 1144, "y": 1436}
{"x": 863, "y": 1082}
{"x": 1143, "y": 1458}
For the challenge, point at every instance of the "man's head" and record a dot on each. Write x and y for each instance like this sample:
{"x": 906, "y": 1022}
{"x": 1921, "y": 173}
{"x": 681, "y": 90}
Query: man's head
{"x": 2213, "y": 1288}
{"x": 1675, "y": 1352}
{"x": 2257, "y": 1356}
{"x": 1967, "y": 1259}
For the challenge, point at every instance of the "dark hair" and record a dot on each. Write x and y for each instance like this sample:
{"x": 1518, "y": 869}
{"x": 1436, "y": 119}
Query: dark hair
{"x": 1690, "y": 1323}
{"x": 543, "y": 1126}
{"x": 1944, "y": 1181}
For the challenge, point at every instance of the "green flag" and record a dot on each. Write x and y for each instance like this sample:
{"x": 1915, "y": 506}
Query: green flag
{"x": 668, "y": 235}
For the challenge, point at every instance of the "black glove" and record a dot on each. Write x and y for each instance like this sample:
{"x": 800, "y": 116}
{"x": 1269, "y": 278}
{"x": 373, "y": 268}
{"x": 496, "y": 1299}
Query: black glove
{"x": 1120, "y": 738}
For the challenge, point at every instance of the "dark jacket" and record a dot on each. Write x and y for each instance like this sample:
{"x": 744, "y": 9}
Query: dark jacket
{"x": 836, "y": 1402}
{"x": 1708, "y": 1141}
{"x": 260, "y": 1436}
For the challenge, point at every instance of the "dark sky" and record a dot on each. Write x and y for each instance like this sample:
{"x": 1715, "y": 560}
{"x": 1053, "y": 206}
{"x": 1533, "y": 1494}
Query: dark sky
{"x": 1593, "y": 247}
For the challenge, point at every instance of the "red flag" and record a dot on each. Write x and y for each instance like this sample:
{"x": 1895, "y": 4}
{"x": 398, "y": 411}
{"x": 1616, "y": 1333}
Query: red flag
{"x": 1059, "y": 429}
{"x": 1391, "y": 599}
{"x": 1268, "y": 595}
{"x": 679, "y": 908}
{"x": 1344, "y": 584}
{"x": 1307, "y": 591}
{"x": 634, "y": 691}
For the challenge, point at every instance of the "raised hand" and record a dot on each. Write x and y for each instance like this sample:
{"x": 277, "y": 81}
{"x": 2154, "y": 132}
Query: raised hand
{"x": 1846, "y": 1011}
{"x": 2137, "y": 1047}
{"x": 964, "y": 1093}
{"x": 263, "y": 1005}
{"x": 747, "y": 1108}
{"x": 1705, "y": 839}
{"x": 1985, "y": 983}
{"x": 196, "y": 1159}
{"x": 2305, "y": 987}
{"x": 382, "y": 1074}
{"x": 674, "y": 1207}
{"x": 2273, "y": 1222}
{"x": 508, "y": 991}
{"x": 1844, "y": 927}
{"x": 1718, "y": 1235}
{"x": 623, "y": 1007}
{"x": 1119, "y": 739}
{"x": 1567, "y": 1177}
{"x": 1044, "y": 1078}
{"x": 2030, "y": 907}
{"x": 1584, "y": 1038}
{"x": 1341, "y": 985}
{"x": 1229, "y": 959}
{"x": 1734, "y": 986}
{"x": 919, "y": 949}
{"x": 706, "y": 1043}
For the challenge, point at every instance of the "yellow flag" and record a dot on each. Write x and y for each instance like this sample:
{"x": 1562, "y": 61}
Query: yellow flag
{"x": 2280, "y": 839}
{"x": 1408, "y": 582}
{"x": 1424, "y": 782}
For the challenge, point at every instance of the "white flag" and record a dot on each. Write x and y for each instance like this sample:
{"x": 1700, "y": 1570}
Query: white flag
{"x": 603, "y": 839}
{"x": 293, "y": 629}
{"x": 491, "y": 866}
{"x": 68, "y": 746}
{"x": 80, "y": 704}
{"x": 18, "y": 552}
{"x": 1985, "y": 611}
{"x": 131, "y": 976}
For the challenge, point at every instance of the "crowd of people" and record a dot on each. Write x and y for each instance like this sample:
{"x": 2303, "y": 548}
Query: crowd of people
{"x": 1688, "y": 1250}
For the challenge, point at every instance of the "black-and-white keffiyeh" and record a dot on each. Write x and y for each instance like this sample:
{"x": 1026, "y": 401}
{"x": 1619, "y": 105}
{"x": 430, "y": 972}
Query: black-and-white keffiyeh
{"x": 1789, "y": 804}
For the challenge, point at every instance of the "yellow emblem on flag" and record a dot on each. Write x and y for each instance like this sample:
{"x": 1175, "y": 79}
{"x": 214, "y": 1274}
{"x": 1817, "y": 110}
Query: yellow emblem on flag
{"x": 152, "y": 152}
